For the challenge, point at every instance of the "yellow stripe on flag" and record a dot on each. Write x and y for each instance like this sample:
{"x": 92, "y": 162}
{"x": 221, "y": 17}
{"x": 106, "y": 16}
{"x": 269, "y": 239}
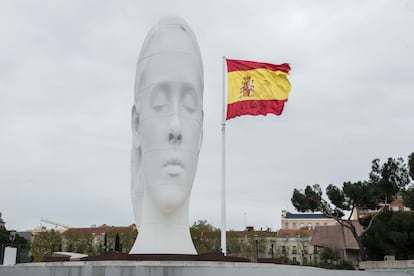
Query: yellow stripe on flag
{"x": 257, "y": 84}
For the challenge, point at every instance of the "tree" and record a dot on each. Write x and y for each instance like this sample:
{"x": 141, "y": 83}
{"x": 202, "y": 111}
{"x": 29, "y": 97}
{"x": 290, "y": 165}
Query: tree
{"x": 234, "y": 242}
{"x": 80, "y": 242}
{"x": 245, "y": 243}
{"x": 409, "y": 197}
{"x": 385, "y": 182}
{"x": 409, "y": 193}
{"x": 249, "y": 243}
{"x": 117, "y": 243}
{"x": 45, "y": 243}
{"x": 302, "y": 239}
{"x": 392, "y": 233}
{"x": 5, "y": 238}
{"x": 411, "y": 165}
{"x": 281, "y": 247}
{"x": 389, "y": 179}
{"x": 329, "y": 255}
{"x": 206, "y": 238}
{"x": 126, "y": 239}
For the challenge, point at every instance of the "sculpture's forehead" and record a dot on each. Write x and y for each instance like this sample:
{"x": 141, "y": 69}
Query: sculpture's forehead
{"x": 171, "y": 67}
{"x": 168, "y": 39}
{"x": 170, "y": 54}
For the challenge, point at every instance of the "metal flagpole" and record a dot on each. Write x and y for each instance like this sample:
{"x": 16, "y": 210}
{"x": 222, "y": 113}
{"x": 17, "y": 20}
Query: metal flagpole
{"x": 223, "y": 169}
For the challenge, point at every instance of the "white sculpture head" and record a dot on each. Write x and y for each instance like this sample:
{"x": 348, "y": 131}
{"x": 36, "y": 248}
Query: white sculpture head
{"x": 167, "y": 123}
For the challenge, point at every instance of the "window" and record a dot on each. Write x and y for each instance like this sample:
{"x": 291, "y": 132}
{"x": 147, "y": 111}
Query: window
{"x": 283, "y": 251}
{"x": 305, "y": 250}
{"x": 315, "y": 249}
{"x": 310, "y": 225}
{"x": 286, "y": 225}
{"x": 317, "y": 224}
{"x": 294, "y": 250}
{"x": 294, "y": 225}
{"x": 294, "y": 260}
{"x": 302, "y": 225}
{"x": 395, "y": 208}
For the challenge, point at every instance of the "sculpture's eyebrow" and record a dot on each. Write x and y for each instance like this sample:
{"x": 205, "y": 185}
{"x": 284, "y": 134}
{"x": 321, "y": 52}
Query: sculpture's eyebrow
{"x": 167, "y": 82}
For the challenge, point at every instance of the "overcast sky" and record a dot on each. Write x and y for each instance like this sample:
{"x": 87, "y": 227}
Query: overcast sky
{"x": 67, "y": 73}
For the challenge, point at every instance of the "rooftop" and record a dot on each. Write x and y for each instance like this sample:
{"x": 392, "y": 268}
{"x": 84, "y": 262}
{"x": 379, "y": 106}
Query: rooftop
{"x": 25, "y": 234}
{"x": 249, "y": 232}
{"x": 306, "y": 216}
{"x": 100, "y": 230}
{"x": 336, "y": 236}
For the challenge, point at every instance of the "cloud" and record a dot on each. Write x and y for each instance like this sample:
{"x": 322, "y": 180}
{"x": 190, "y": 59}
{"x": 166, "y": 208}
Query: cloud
{"x": 67, "y": 72}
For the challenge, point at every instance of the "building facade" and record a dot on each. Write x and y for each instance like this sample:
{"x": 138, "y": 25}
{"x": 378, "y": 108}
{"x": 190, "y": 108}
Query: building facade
{"x": 252, "y": 244}
{"x": 295, "y": 246}
{"x": 94, "y": 240}
{"x": 304, "y": 220}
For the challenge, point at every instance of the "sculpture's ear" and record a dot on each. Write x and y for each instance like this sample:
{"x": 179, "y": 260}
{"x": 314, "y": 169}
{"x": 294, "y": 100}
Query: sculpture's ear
{"x": 137, "y": 185}
{"x": 136, "y": 138}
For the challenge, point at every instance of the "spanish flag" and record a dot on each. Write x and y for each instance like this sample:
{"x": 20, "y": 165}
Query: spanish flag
{"x": 256, "y": 88}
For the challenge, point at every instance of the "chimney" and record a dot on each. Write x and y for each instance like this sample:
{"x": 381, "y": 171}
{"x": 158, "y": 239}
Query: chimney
{"x": 249, "y": 228}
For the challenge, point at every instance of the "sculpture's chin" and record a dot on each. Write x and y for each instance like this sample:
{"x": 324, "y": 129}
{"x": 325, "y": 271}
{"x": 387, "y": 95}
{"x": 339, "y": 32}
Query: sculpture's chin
{"x": 169, "y": 198}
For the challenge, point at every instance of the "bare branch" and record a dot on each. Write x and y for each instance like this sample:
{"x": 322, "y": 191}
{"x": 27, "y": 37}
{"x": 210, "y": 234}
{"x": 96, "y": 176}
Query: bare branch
{"x": 352, "y": 211}
{"x": 372, "y": 220}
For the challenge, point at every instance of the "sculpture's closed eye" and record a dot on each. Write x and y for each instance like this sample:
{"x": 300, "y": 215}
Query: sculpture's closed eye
{"x": 189, "y": 102}
{"x": 159, "y": 100}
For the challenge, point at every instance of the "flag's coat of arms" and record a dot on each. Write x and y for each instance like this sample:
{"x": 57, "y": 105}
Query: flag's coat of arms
{"x": 247, "y": 87}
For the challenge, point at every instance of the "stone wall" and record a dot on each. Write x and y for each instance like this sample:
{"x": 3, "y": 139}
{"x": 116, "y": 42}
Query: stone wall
{"x": 392, "y": 264}
{"x": 175, "y": 268}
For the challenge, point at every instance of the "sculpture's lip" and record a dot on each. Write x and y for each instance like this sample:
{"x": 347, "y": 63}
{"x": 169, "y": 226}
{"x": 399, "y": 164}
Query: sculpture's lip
{"x": 173, "y": 167}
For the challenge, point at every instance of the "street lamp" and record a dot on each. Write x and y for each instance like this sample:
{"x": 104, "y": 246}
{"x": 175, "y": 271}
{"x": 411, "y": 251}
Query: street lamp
{"x": 256, "y": 239}
{"x": 12, "y": 236}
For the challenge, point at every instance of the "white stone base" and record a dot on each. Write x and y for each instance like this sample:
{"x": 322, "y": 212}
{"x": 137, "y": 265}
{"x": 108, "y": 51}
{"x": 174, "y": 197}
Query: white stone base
{"x": 177, "y": 268}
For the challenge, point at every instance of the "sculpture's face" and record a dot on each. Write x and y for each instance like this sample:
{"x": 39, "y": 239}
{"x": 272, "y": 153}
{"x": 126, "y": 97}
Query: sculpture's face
{"x": 170, "y": 127}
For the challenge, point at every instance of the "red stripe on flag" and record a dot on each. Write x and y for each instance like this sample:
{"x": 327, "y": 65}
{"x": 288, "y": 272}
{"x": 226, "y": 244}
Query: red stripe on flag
{"x": 255, "y": 107}
{"x": 243, "y": 65}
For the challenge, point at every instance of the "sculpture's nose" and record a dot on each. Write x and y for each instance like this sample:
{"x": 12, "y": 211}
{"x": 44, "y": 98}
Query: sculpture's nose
{"x": 174, "y": 135}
